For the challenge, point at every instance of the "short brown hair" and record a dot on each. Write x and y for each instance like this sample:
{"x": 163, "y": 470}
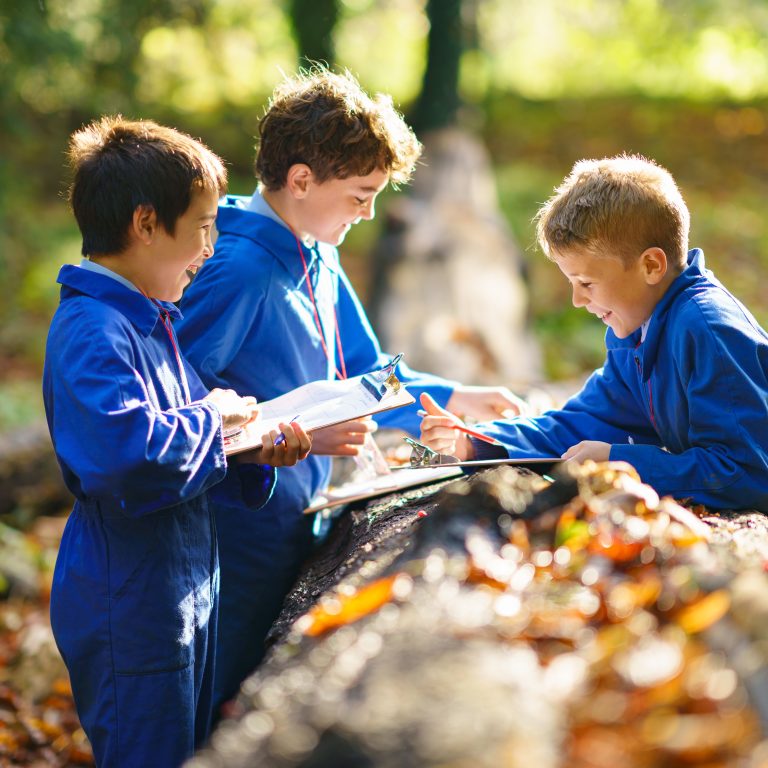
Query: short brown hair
{"x": 121, "y": 164}
{"x": 622, "y": 205}
{"x": 328, "y": 122}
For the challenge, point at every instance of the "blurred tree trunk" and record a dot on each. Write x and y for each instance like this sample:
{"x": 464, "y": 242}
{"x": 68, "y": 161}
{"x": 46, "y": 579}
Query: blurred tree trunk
{"x": 449, "y": 288}
{"x": 313, "y": 23}
{"x": 438, "y": 102}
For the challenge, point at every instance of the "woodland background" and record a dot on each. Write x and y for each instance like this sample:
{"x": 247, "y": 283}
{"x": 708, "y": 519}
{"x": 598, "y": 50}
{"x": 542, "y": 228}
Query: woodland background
{"x": 541, "y": 82}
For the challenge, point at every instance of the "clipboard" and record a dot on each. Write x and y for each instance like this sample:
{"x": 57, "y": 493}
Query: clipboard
{"x": 543, "y": 463}
{"x": 324, "y": 403}
{"x": 424, "y": 456}
{"x": 381, "y": 485}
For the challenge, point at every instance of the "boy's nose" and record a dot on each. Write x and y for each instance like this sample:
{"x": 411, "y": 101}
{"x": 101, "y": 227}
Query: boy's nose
{"x": 369, "y": 210}
{"x": 578, "y": 298}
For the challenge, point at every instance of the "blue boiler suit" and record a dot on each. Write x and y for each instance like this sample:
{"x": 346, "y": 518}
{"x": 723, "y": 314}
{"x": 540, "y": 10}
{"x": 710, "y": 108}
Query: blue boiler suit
{"x": 249, "y": 324}
{"x": 135, "y": 589}
{"x": 687, "y": 405}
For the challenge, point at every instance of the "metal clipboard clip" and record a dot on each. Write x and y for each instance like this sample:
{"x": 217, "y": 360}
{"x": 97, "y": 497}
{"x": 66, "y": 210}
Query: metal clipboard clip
{"x": 383, "y": 381}
{"x": 424, "y": 456}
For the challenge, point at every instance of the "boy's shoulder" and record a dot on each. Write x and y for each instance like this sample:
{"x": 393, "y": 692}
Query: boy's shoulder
{"x": 96, "y": 302}
{"x": 707, "y": 307}
{"x": 249, "y": 238}
{"x": 239, "y": 226}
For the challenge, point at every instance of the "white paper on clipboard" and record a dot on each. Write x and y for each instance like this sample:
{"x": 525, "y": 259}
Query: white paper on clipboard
{"x": 381, "y": 485}
{"x": 316, "y": 405}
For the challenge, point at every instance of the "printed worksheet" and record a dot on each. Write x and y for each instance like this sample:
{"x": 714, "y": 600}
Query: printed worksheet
{"x": 316, "y": 405}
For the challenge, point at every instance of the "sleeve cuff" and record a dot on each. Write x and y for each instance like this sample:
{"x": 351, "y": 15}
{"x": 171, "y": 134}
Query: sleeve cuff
{"x": 485, "y": 451}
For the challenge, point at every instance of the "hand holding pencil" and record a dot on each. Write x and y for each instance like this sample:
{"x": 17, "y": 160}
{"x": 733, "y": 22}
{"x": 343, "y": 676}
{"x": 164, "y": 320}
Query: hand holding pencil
{"x": 446, "y": 433}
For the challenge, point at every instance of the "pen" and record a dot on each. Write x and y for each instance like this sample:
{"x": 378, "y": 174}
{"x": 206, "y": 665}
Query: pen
{"x": 468, "y": 431}
{"x": 281, "y": 437}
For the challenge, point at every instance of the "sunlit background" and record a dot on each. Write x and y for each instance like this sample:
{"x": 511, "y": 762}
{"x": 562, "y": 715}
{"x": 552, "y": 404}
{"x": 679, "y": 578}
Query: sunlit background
{"x": 541, "y": 83}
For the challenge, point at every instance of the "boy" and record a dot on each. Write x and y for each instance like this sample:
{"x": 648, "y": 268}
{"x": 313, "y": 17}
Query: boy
{"x": 139, "y": 440}
{"x": 273, "y": 310}
{"x": 683, "y": 392}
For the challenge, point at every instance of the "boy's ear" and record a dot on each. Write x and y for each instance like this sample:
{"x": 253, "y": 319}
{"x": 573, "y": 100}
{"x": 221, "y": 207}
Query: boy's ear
{"x": 298, "y": 180}
{"x": 144, "y": 223}
{"x": 654, "y": 263}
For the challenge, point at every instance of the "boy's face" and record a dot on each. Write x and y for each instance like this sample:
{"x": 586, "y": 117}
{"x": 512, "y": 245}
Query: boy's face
{"x": 623, "y": 295}
{"x": 181, "y": 255}
{"x": 329, "y": 209}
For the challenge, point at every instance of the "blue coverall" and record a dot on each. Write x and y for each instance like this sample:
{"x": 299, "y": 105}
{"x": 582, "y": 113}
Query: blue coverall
{"x": 249, "y": 324}
{"x": 135, "y": 589}
{"x": 687, "y": 405}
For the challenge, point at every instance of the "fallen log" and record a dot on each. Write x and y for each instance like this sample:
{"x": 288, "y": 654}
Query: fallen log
{"x": 507, "y": 621}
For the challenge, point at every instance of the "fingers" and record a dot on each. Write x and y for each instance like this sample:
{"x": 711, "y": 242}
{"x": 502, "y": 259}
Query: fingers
{"x": 571, "y": 453}
{"x": 486, "y": 403}
{"x": 252, "y": 408}
{"x": 286, "y": 448}
{"x": 588, "y": 449}
{"x": 513, "y": 406}
{"x": 431, "y": 407}
{"x": 342, "y": 439}
{"x": 438, "y": 433}
{"x": 235, "y": 411}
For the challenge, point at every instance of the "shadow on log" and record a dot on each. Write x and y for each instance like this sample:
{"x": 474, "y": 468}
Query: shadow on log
{"x": 504, "y": 620}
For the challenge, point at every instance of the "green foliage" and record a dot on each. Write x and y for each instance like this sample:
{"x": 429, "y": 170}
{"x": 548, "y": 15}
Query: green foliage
{"x": 546, "y": 81}
{"x": 715, "y": 151}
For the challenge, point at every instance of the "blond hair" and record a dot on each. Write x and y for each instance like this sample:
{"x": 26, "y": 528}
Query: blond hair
{"x": 618, "y": 205}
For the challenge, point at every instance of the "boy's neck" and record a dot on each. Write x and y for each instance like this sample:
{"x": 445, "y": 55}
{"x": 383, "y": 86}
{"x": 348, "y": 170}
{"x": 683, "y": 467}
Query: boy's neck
{"x": 283, "y": 204}
{"x": 663, "y": 287}
{"x": 127, "y": 264}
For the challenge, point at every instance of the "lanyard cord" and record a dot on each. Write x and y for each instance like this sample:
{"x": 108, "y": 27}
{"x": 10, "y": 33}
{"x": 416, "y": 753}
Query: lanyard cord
{"x": 165, "y": 320}
{"x": 339, "y": 374}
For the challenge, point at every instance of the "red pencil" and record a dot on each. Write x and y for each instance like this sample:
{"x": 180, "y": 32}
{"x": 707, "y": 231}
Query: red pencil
{"x": 470, "y": 432}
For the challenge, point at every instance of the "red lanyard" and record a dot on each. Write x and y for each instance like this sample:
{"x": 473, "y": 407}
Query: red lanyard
{"x": 165, "y": 320}
{"x": 339, "y": 374}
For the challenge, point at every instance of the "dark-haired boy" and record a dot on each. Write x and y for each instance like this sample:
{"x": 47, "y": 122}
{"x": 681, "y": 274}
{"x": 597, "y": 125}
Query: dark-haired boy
{"x": 140, "y": 443}
{"x": 326, "y": 150}
{"x": 683, "y": 392}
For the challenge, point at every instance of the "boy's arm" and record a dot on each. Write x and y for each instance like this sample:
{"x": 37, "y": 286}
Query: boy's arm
{"x": 108, "y": 433}
{"x": 722, "y": 456}
{"x": 604, "y": 410}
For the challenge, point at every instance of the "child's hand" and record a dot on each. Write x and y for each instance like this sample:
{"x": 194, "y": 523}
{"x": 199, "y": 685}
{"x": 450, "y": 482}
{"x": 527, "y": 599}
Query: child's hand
{"x": 438, "y": 431}
{"x": 342, "y": 439}
{"x": 486, "y": 403}
{"x": 588, "y": 449}
{"x": 293, "y": 445}
{"x": 235, "y": 411}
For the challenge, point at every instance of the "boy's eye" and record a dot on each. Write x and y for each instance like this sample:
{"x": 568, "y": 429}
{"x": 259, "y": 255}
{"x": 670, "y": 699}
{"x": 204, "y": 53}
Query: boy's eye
{"x": 585, "y": 285}
{"x": 360, "y": 200}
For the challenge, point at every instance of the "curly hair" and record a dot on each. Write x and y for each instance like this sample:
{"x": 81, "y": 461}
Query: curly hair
{"x": 620, "y": 205}
{"x": 327, "y": 121}
{"x": 121, "y": 164}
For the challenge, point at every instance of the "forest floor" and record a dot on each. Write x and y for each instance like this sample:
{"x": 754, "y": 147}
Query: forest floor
{"x": 38, "y": 723}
